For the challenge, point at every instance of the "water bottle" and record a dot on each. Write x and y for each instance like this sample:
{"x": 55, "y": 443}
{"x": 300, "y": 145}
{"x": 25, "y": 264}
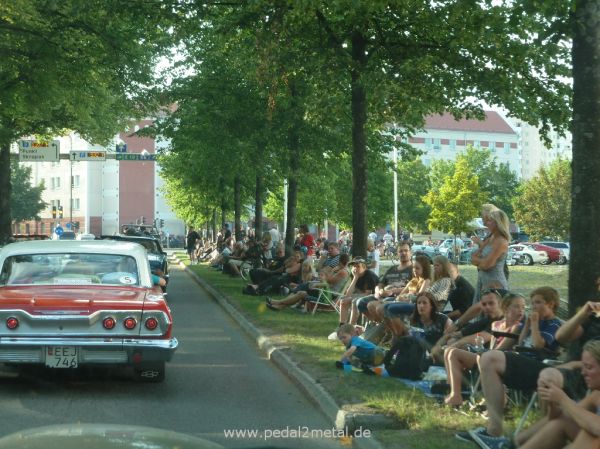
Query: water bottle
{"x": 479, "y": 342}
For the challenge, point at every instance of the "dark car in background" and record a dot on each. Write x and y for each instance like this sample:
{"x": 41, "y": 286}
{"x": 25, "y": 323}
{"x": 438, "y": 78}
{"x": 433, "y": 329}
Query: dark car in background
{"x": 156, "y": 256}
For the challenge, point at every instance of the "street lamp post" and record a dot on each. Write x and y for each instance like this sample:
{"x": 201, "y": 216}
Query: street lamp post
{"x": 71, "y": 192}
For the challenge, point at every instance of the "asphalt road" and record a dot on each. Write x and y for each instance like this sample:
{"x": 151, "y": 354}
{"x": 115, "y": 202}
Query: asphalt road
{"x": 218, "y": 381}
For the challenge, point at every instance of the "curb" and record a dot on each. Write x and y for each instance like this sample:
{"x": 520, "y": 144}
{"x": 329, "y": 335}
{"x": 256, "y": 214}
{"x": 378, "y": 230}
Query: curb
{"x": 342, "y": 419}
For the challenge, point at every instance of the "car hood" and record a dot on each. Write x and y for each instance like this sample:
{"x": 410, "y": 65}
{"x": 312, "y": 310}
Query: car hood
{"x": 102, "y": 436}
{"x": 72, "y": 297}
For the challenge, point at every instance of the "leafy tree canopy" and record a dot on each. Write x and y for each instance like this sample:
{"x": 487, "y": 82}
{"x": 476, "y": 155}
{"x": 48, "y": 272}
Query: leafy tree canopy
{"x": 495, "y": 178}
{"x": 26, "y": 200}
{"x": 457, "y": 202}
{"x": 543, "y": 205}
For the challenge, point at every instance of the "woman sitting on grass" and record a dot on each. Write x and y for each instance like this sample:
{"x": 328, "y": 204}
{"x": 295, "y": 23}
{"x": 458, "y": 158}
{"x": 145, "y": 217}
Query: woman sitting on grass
{"x": 333, "y": 280}
{"x": 404, "y": 302}
{"x": 426, "y": 318}
{"x": 458, "y": 360}
{"x": 568, "y": 423}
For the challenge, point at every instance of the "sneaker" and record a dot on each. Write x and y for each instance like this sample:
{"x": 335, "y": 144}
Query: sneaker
{"x": 486, "y": 441}
{"x": 465, "y": 435}
{"x": 333, "y": 336}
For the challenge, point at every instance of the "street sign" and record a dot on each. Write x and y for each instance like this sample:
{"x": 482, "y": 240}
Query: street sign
{"x": 121, "y": 148}
{"x": 135, "y": 157}
{"x": 59, "y": 230}
{"x": 88, "y": 156}
{"x": 35, "y": 151}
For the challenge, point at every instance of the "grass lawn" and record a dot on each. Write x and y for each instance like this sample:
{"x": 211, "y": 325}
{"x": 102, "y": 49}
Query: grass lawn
{"x": 432, "y": 425}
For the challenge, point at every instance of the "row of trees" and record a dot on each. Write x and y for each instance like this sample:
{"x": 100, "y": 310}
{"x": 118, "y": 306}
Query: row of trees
{"x": 446, "y": 196}
{"x": 280, "y": 88}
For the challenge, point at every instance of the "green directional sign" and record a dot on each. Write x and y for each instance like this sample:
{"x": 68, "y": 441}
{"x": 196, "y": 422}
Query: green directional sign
{"x": 135, "y": 157}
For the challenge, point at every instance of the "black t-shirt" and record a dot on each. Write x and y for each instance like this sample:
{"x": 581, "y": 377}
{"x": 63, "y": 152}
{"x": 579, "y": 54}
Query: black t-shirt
{"x": 483, "y": 324}
{"x": 435, "y": 330}
{"x": 461, "y": 296}
{"x": 395, "y": 275}
{"x": 191, "y": 239}
{"x": 366, "y": 282}
{"x": 591, "y": 331}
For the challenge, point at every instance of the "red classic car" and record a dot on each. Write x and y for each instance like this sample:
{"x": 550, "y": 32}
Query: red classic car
{"x": 71, "y": 303}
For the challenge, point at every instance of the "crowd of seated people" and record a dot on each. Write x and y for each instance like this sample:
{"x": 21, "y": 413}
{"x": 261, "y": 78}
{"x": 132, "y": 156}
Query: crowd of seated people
{"x": 436, "y": 299}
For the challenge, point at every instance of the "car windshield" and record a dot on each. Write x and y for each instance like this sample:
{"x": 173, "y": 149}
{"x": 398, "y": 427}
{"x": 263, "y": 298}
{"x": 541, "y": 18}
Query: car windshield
{"x": 69, "y": 269}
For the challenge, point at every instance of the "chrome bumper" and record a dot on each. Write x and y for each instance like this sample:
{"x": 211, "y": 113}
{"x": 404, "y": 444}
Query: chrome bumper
{"x": 109, "y": 350}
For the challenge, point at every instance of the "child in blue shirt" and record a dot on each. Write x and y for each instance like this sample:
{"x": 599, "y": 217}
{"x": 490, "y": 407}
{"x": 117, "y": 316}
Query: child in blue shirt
{"x": 357, "y": 348}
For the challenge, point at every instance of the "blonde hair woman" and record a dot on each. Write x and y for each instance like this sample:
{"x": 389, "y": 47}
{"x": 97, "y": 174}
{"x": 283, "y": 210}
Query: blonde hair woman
{"x": 490, "y": 257}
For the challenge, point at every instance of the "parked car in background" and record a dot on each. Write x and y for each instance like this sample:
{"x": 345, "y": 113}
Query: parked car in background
{"x": 156, "y": 256}
{"x": 554, "y": 255}
{"x": 528, "y": 255}
{"x": 66, "y": 304}
{"x": 565, "y": 247}
{"x": 425, "y": 250}
{"x": 512, "y": 257}
{"x": 451, "y": 247}
{"x": 519, "y": 237}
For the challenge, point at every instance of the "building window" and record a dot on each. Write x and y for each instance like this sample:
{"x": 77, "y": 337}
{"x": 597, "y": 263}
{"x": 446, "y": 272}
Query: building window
{"x": 477, "y": 144}
{"x": 428, "y": 142}
{"x": 453, "y": 144}
{"x": 437, "y": 145}
{"x": 75, "y": 181}
{"x": 75, "y": 204}
{"x": 506, "y": 147}
{"x": 42, "y": 228}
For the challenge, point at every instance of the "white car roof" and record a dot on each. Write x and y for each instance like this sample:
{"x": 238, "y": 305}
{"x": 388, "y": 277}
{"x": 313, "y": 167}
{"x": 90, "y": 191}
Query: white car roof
{"x": 73, "y": 246}
{"x": 135, "y": 250}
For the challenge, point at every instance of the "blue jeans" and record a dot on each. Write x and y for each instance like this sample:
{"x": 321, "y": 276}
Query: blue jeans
{"x": 398, "y": 309}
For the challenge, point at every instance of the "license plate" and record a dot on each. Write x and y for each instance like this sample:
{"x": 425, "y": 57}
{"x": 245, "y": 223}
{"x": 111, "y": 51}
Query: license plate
{"x": 61, "y": 356}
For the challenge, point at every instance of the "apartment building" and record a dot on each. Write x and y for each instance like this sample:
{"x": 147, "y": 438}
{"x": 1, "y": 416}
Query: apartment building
{"x": 443, "y": 138}
{"x": 534, "y": 153}
{"x": 99, "y": 196}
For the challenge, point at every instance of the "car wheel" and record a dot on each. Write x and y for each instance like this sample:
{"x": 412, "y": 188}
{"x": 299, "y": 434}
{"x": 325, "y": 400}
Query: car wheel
{"x": 150, "y": 372}
{"x": 527, "y": 259}
{"x": 562, "y": 260}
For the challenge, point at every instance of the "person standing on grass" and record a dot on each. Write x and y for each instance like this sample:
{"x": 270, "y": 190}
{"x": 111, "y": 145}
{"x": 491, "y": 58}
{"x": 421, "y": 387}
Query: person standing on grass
{"x": 490, "y": 256}
{"x": 190, "y": 244}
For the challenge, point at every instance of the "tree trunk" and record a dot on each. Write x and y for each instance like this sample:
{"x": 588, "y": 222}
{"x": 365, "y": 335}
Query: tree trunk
{"x": 294, "y": 152}
{"x": 237, "y": 208}
{"x": 214, "y": 225}
{"x": 223, "y": 202}
{"x": 359, "y": 147}
{"x": 258, "y": 208}
{"x": 584, "y": 266}
{"x": 5, "y": 193}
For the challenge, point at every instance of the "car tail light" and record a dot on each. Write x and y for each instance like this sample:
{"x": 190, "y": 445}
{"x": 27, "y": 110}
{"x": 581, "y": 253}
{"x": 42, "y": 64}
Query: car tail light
{"x": 151, "y": 323}
{"x": 109, "y": 323}
{"x": 12, "y": 322}
{"x": 129, "y": 323}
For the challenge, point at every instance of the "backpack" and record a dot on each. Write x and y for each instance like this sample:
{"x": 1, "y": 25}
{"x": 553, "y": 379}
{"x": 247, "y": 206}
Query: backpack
{"x": 406, "y": 359}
